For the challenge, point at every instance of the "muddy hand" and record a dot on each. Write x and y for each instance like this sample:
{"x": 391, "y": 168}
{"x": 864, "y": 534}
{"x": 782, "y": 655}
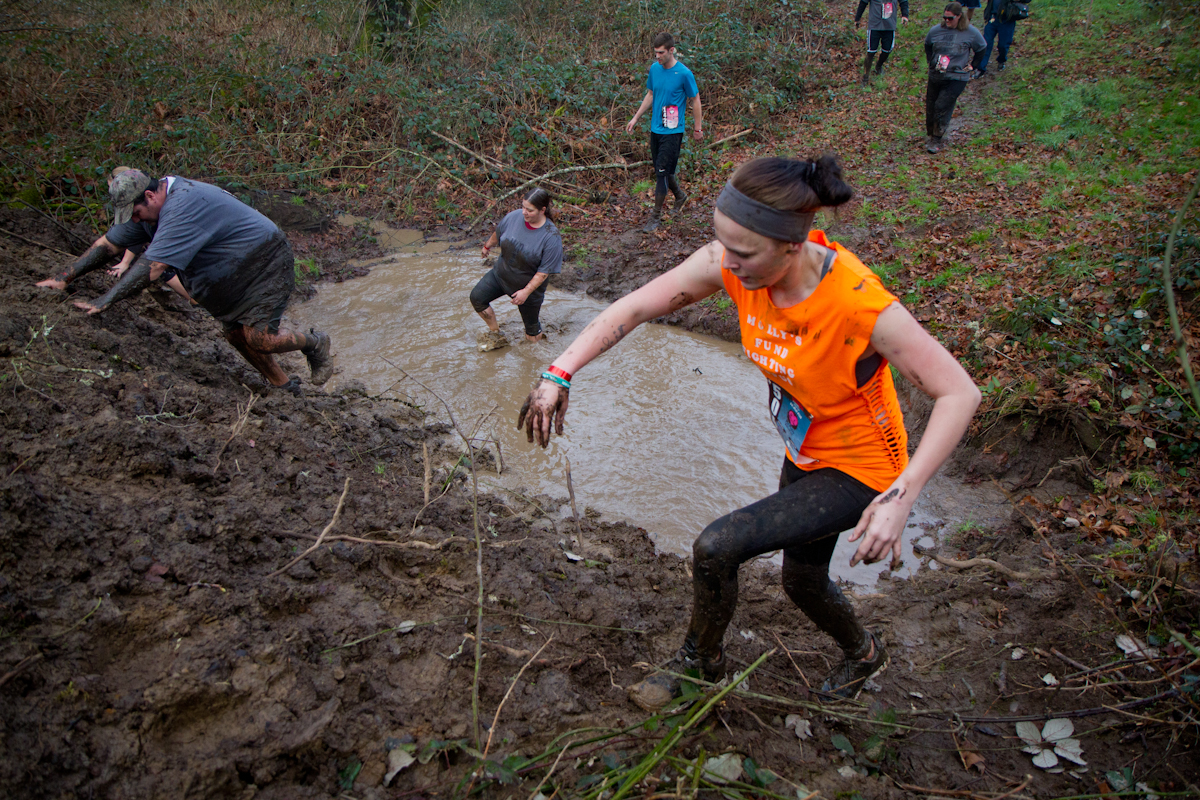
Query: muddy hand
{"x": 881, "y": 526}
{"x": 52, "y": 283}
{"x": 545, "y": 403}
{"x": 88, "y": 307}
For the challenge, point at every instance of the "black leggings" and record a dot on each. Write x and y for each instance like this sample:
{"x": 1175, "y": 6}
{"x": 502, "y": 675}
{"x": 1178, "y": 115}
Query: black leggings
{"x": 489, "y": 289}
{"x": 803, "y": 519}
{"x": 941, "y": 95}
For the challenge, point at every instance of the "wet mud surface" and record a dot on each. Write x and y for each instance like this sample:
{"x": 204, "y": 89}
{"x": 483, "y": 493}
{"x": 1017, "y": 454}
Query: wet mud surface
{"x": 151, "y": 647}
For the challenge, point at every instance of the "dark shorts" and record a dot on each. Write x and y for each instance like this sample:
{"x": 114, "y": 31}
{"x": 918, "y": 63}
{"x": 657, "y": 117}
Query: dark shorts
{"x": 877, "y": 39}
{"x": 489, "y": 289}
{"x": 664, "y": 151}
{"x": 263, "y": 298}
{"x": 970, "y": 4}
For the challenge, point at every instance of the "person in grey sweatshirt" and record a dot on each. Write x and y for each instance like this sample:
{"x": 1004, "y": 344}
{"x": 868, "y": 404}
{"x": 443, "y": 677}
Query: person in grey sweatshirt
{"x": 881, "y": 31}
{"x": 949, "y": 49}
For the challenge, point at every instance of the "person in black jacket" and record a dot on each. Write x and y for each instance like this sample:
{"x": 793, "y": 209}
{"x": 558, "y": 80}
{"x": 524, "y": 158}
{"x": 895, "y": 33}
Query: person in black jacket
{"x": 996, "y": 15}
{"x": 881, "y": 31}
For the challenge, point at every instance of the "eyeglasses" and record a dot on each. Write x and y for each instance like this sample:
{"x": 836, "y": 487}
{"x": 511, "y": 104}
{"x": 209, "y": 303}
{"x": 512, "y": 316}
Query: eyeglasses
{"x": 950, "y": 16}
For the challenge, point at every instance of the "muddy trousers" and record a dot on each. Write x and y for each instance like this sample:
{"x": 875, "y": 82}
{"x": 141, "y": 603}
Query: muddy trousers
{"x": 803, "y": 519}
{"x": 941, "y": 94}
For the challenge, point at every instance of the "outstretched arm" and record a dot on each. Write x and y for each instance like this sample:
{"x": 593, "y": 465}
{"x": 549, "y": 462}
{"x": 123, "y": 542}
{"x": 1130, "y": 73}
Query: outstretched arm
{"x": 900, "y": 339}
{"x": 136, "y": 279}
{"x": 98, "y": 255}
{"x": 696, "y": 278}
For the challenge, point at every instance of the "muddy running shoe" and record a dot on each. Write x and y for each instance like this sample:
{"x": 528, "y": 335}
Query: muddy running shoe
{"x": 1002, "y": 66}
{"x": 849, "y": 678}
{"x": 291, "y": 387}
{"x": 656, "y": 691}
{"x": 679, "y": 201}
{"x": 652, "y": 223}
{"x": 934, "y": 145}
{"x": 317, "y": 354}
{"x": 492, "y": 340}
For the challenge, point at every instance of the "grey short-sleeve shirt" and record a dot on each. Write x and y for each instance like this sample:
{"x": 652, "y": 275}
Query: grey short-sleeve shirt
{"x": 524, "y": 252}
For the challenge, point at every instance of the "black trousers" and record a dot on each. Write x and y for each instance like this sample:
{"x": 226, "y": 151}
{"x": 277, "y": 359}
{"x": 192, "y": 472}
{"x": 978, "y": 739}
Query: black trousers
{"x": 803, "y": 519}
{"x": 941, "y": 94}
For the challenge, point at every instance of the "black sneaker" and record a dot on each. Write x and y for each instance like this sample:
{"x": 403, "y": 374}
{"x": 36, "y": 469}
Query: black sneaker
{"x": 656, "y": 691}
{"x": 849, "y": 678}
{"x": 1001, "y": 66}
{"x": 291, "y": 387}
{"x": 317, "y": 354}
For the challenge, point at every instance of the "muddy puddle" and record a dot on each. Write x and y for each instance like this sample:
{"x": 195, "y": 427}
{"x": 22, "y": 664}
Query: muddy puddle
{"x": 667, "y": 431}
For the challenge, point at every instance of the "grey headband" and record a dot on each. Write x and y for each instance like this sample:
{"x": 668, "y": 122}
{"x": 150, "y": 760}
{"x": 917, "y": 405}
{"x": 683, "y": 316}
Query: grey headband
{"x": 784, "y": 226}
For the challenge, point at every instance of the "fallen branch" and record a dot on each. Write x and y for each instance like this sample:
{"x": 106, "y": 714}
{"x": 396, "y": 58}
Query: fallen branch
{"x": 729, "y": 138}
{"x": 487, "y": 162}
{"x": 551, "y": 174}
{"x": 574, "y": 510}
{"x": 336, "y": 515}
{"x": 35, "y": 244}
{"x": 975, "y": 562}
{"x": 21, "y": 666}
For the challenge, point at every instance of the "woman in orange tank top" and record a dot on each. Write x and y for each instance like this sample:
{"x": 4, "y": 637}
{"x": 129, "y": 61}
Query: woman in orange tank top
{"x": 823, "y": 330}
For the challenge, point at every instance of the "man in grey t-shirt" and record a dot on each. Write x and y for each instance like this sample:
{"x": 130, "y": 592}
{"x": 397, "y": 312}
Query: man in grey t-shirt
{"x": 232, "y": 260}
{"x": 881, "y": 30}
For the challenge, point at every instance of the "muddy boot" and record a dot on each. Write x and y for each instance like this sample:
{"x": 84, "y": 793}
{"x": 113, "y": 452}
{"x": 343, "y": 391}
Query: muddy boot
{"x": 292, "y": 387}
{"x": 680, "y": 199}
{"x": 654, "y": 221}
{"x": 867, "y": 59}
{"x": 934, "y": 144}
{"x": 317, "y": 353}
{"x": 849, "y": 678}
{"x": 883, "y": 56}
{"x": 492, "y": 340}
{"x": 656, "y": 691}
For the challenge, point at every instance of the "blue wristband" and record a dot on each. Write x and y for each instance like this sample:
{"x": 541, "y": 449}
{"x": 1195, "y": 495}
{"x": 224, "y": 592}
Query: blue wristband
{"x": 549, "y": 376}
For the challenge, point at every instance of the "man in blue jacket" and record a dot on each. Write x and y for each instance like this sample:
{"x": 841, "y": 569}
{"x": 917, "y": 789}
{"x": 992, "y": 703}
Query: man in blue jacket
{"x": 1000, "y": 23}
{"x": 670, "y": 86}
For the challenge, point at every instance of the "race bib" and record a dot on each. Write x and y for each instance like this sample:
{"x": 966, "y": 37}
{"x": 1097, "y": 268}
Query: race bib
{"x": 790, "y": 418}
{"x": 670, "y": 117}
{"x": 943, "y": 63}
{"x": 888, "y": 8}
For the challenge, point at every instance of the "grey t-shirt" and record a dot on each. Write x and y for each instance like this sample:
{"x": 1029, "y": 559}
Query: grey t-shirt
{"x": 949, "y": 51}
{"x": 525, "y": 252}
{"x": 208, "y": 235}
{"x": 883, "y": 14}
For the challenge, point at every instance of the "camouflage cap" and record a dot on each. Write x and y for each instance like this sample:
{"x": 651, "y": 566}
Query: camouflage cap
{"x": 124, "y": 191}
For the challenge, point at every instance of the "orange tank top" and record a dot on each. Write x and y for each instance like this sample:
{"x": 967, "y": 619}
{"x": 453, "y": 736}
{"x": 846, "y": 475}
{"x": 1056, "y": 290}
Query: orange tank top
{"x": 809, "y": 350}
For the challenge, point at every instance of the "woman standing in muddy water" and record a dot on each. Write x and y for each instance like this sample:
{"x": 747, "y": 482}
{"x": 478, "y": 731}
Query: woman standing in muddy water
{"x": 530, "y": 252}
{"x": 824, "y": 331}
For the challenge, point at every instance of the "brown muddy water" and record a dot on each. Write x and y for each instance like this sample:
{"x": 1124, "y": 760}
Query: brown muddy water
{"x": 668, "y": 431}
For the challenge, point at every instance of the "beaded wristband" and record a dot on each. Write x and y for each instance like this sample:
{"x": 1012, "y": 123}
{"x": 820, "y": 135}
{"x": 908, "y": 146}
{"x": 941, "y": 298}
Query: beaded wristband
{"x": 549, "y": 376}
{"x": 562, "y": 373}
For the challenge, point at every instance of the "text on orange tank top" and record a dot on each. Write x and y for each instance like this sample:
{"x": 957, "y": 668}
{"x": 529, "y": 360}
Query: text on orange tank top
{"x": 810, "y": 349}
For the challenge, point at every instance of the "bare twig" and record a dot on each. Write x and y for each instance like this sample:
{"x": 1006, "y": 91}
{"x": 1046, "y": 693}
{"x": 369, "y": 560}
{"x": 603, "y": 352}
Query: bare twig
{"x": 425, "y": 453}
{"x": 7, "y": 232}
{"x": 511, "y": 686}
{"x": 574, "y": 510}
{"x": 336, "y": 515}
{"x": 21, "y": 666}
{"x": 553, "y": 767}
{"x": 1169, "y": 293}
{"x": 238, "y": 425}
{"x": 487, "y": 162}
{"x": 550, "y": 174}
{"x": 729, "y": 138}
{"x": 975, "y": 562}
{"x": 788, "y": 653}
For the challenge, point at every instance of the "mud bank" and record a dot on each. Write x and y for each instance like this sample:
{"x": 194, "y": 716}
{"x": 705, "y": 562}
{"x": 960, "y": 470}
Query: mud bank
{"x": 148, "y": 648}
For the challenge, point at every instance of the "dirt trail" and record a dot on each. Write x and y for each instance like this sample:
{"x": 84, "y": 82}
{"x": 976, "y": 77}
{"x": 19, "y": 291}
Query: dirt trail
{"x": 147, "y": 650}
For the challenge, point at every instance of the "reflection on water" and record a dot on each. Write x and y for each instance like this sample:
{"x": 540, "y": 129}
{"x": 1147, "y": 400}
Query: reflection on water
{"x": 668, "y": 431}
